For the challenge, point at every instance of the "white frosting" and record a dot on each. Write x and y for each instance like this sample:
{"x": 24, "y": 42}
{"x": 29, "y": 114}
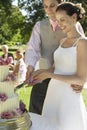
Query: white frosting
{"x": 4, "y": 70}
{"x": 7, "y": 88}
{"x": 10, "y": 104}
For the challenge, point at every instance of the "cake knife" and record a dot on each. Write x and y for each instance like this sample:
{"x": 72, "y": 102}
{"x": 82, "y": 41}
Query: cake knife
{"x": 19, "y": 86}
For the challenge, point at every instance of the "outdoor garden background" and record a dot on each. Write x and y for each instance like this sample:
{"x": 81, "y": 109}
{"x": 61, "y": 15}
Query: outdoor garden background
{"x": 16, "y": 28}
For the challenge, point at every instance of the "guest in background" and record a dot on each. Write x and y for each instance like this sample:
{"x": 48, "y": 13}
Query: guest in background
{"x": 20, "y": 68}
{"x": 6, "y": 54}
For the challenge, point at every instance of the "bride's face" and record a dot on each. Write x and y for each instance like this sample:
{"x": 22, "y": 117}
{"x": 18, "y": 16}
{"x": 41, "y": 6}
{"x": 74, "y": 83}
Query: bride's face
{"x": 50, "y": 7}
{"x": 65, "y": 21}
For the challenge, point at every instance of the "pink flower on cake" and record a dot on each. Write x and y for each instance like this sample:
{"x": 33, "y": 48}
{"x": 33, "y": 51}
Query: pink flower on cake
{"x": 7, "y": 115}
{"x": 3, "y": 97}
{"x": 22, "y": 106}
{"x": 11, "y": 114}
{"x": 10, "y": 77}
{"x": 7, "y": 61}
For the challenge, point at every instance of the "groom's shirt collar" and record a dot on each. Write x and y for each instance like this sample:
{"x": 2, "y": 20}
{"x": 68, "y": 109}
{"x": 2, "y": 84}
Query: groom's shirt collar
{"x": 54, "y": 25}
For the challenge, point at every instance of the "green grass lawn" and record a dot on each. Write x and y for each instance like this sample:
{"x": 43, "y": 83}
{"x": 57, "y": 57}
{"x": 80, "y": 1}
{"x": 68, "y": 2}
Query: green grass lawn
{"x": 84, "y": 94}
{"x": 24, "y": 94}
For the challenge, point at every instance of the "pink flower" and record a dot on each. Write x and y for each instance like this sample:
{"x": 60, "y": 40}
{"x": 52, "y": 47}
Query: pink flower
{"x": 3, "y": 97}
{"x": 19, "y": 111}
{"x": 7, "y": 115}
{"x": 11, "y": 114}
{"x": 7, "y": 61}
{"x": 22, "y": 106}
{"x": 10, "y": 77}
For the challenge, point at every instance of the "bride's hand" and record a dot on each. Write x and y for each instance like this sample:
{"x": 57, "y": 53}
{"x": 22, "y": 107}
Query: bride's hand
{"x": 77, "y": 88}
{"x": 38, "y": 76}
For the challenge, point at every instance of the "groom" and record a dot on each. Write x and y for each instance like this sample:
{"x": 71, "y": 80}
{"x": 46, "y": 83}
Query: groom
{"x": 44, "y": 40}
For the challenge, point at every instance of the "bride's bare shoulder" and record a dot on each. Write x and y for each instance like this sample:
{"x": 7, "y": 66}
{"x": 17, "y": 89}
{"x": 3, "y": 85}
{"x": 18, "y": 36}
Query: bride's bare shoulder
{"x": 82, "y": 42}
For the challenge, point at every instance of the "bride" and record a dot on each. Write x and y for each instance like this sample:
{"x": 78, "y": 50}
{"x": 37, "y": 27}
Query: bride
{"x": 63, "y": 108}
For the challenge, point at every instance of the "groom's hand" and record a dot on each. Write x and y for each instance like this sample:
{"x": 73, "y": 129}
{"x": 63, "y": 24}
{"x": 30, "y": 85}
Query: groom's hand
{"x": 30, "y": 70}
{"x": 77, "y": 88}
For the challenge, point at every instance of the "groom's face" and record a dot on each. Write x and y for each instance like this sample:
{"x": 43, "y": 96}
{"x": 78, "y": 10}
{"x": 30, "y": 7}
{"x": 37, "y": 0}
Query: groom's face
{"x": 50, "y": 7}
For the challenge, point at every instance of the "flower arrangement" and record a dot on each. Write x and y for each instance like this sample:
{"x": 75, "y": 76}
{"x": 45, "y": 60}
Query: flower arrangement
{"x": 22, "y": 106}
{"x": 6, "y": 61}
{"x": 14, "y": 113}
{"x": 10, "y": 77}
{"x": 3, "y": 97}
{"x": 10, "y": 114}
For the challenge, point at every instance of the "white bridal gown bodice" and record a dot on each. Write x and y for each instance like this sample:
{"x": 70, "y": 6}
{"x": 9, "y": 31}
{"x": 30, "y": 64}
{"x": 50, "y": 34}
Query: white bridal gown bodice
{"x": 63, "y": 109}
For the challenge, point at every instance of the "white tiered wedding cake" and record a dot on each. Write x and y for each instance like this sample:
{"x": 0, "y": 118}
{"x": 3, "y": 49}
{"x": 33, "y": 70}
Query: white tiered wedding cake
{"x": 12, "y": 117}
{"x": 7, "y": 92}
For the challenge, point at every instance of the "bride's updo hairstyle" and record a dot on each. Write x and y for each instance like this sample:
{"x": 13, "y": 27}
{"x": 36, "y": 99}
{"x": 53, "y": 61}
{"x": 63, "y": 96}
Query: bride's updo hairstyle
{"x": 71, "y": 8}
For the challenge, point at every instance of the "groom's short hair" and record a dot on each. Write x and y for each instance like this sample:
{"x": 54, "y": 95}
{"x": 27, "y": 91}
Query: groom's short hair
{"x": 59, "y": 1}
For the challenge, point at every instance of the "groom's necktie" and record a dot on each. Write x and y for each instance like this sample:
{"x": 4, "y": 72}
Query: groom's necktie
{"x": 54, "y": 25}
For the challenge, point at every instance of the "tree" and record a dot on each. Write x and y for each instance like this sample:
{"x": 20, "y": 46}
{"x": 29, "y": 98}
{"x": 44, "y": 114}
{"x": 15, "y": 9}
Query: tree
{"x": 11, "y": 23}
{"x": 5, "y": 5}
{"x": 35, "y": 12}
{"x": 17, "y": 23}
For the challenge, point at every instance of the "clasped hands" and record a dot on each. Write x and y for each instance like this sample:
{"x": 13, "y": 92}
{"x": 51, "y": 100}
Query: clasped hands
{"x": 42, "y": 74}
{"x": 37, "y": 77}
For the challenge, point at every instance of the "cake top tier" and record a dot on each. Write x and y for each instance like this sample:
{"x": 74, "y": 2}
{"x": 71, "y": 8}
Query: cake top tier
{"x": 4, "y": 71}
{"x": 4, "y": 67}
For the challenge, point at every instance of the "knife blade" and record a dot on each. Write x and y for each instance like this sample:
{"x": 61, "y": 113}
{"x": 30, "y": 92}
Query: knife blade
{"x": 19, "y": 86}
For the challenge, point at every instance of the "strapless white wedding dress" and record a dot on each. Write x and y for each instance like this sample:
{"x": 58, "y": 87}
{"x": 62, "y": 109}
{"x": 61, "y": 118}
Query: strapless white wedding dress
{"x": 63, "y": 109}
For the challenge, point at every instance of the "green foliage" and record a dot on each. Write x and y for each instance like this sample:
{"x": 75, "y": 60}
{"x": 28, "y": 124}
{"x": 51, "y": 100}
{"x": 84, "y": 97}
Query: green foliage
{"x": 17, "y": 37}
{"x": 34, "y": 10}
{"x": 12, "y": 24}
{"x": 5, "y": 5}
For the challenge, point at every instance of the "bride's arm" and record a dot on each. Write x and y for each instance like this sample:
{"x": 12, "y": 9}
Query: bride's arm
{"x": 81, "y": 75}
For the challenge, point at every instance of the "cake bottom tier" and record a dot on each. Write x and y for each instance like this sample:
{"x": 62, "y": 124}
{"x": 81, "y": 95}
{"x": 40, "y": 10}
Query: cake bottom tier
{"x": 21, "y": 123}
{"x": 10, "y": 104}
